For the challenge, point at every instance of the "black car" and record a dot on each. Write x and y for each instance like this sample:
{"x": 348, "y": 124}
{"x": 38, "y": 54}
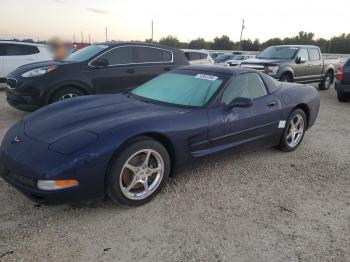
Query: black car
{"x": 342, "y": 84}
{"x": 97, "y": 69}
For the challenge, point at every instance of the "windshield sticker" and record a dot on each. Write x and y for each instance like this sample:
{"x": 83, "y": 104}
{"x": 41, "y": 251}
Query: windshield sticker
{"x": 206, "y": 77}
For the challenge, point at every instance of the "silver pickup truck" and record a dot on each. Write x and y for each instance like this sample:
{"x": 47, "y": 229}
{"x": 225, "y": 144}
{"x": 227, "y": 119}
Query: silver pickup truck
{"x": 296, "y": 63}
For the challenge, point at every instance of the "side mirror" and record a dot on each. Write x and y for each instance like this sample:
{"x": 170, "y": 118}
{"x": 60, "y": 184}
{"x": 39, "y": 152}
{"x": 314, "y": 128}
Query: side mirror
{"x": 300, "y": 60}
{"x": 100, "y": 62}
{"x": 240, "y": 102}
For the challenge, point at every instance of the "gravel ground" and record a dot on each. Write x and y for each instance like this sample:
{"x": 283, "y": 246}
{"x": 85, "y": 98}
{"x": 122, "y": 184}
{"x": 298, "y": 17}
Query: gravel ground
{"x": 260, "y": 206}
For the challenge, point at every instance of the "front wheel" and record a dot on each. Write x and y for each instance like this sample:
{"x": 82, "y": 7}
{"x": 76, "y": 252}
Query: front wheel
{"x": 138, "y": 173}
{"x": 65, "y": 93}
{"x": 294, "y": 131}
{"x": 286, "y": 78}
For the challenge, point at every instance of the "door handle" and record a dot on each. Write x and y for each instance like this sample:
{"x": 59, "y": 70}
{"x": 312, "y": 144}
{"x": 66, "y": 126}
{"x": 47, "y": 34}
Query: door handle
{"x": 167, "y": 68}
{"x": 272, "y": 104}
{"x": 130, "y": 71}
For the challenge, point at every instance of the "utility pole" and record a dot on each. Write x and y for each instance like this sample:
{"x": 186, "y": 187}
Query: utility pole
{"x": 106, "y": 34}
{"x": 240, "y": 39}
{"x": 89, "y": 40}
{"x": 74, "y": 38}
{"x": 82, "y": 37}
{"x": 152, "y": 33}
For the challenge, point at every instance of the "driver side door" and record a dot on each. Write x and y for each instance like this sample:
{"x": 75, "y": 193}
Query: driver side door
{"x": 254, "y": 125}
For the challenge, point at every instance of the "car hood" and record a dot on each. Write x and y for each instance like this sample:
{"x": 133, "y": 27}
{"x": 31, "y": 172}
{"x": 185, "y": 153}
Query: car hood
{"x": 25, "y": 68}
{"x": 265, "y": 61}
{"x": 90, "y": 113}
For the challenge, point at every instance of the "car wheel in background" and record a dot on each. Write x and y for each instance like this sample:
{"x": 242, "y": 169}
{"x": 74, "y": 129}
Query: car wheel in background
{"x": 138, "y": 172}
{"x": 65, "y": 93}
{"x": 286, "y": 78}
{"x": 294, "y": 131}
{"x": 327, "y": 81}
{"x": 342, "y": 97}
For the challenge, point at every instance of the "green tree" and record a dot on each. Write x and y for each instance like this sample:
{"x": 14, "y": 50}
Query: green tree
{"x": 171, "y": 41}
{"x": 199, "y": 43}
{"x": 222, "y": 43}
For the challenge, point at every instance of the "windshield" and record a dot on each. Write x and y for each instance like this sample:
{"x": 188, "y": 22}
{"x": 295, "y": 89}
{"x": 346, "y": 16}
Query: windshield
{"x": 278, "y": 52}
{"x": 181, "y": 88}
{"x": 85, "y": 53}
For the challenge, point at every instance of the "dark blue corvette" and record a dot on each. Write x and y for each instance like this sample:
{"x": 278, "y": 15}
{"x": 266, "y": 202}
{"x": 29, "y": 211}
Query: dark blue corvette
{"x": 125, "y": 146}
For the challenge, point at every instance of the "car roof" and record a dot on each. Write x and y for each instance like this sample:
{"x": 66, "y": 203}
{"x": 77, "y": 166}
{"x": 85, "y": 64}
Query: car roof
{"x": 219, "y": 69}
{"x": 196, "y": 50}
{"x": 121, "y": 43}
{"x": 20, "y": 43}
{"x": 297, "y": 46}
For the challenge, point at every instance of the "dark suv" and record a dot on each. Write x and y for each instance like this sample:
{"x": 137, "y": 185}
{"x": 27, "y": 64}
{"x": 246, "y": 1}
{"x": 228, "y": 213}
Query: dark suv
{"x": 97, "y": 69}
{"x": 342, "y": 84}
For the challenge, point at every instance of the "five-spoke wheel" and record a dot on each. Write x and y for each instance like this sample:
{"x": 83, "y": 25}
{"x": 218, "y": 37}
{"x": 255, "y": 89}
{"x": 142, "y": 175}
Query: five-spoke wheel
{"x": 294, "y": 131}
{"x": 138, "y": 172}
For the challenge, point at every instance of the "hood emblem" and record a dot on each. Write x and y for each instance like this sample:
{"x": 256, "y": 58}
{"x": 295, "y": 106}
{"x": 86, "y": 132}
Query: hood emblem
{"x": 16, "y": 139}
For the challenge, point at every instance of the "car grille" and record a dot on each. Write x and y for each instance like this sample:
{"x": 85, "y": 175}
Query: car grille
{"x": 11, "y": 83}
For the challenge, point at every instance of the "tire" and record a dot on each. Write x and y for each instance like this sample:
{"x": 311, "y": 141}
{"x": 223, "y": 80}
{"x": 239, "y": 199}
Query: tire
{"x": 342, "y": 97}
{"x": 327, "y": 81}
{"x": 65, "y": 93}
{"x": 286, "y": 143}
{"x": 129, "y": 174}
{"x": 286, "y": 78}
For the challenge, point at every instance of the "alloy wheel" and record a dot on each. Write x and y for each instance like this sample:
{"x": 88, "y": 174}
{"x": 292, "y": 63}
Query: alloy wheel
{"x": 295, "y": 130}
{"x": 67, "y": 96}
{"x": 141, "y": 174}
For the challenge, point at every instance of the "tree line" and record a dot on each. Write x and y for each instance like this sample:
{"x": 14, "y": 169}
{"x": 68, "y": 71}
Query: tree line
{"x": 338, "y": 44}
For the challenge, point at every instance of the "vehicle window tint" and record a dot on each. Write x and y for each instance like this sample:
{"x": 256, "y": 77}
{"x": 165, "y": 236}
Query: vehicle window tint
{"x": 203, "y": 56}
{"x": 120, "y": 55}
{"x": 149, "y": 54}
{"x": 15, "y": 50}
{"x": 314, "y": 54}
{"x": 194, "y": 56}
{"x": 303, "y": 53}
{"x": 247, "y": 85}
{"x": 2, "y": 49}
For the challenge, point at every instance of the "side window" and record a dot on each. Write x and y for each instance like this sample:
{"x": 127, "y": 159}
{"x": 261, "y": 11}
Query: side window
{"x": 194, "y": 56}
{"x": 149, "y": 55}
{"x": 17, "y": 50}
{"x": 303, "y": 53}
{"x": 2, "y": 49}
{"x": 314, "y": 54}
{"x": 203, "y": 56}
{"x": 120, "y": 55}
{"x": 247, "y": 85}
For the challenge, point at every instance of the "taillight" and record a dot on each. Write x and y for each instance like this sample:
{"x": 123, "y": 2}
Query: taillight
{"x": 340, "y": 72}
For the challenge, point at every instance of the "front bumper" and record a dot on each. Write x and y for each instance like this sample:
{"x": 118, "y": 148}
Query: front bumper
{"x": 340, "y": 87}
{"x": 25, "y": 162}
{"x": 24, "y": 94}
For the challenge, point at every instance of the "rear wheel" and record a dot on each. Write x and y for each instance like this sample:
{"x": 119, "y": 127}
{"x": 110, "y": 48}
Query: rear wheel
{"x": 286, "y": 78}
{"x": 294, "y": 131}
{"x": 65, "y": 93}
{"x": 327, "y": 81}
{"x": 138, "y": 173}
{"x": 343, "y": 97}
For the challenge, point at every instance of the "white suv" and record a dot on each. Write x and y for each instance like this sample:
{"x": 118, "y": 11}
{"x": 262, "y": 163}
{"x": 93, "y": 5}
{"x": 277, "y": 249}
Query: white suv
{"x": 14, "y": 54}
{"x": 198, "y": 57}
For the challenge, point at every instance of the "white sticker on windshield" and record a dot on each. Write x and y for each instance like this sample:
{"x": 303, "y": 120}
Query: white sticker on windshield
{"x": 206, "y": 77}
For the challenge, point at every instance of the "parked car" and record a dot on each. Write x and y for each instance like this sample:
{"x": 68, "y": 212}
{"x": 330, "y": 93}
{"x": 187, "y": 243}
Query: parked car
{"x": 296, "y": 63}
{"x": 238, "y": 59}
{"x": 342, "y": 84}
{"x": 220, "y": 60}
{"x": 214, "y": 55}
{"x": 97, "y": 69}
{"x": 14, "y": 54}
{"x": 198, "y": 57}
{"x": 125, "y": 146}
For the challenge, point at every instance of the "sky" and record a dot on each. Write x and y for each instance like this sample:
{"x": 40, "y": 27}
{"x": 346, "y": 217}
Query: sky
{"x": 185, "y": 19}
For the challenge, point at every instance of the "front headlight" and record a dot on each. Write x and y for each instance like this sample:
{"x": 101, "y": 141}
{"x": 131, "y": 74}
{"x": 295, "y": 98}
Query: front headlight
{"x": 272, "y": 70}
{"x": 39, "y": 71}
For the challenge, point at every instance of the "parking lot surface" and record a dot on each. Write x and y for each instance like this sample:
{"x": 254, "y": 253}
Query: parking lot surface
{"x": 259, "y": 206}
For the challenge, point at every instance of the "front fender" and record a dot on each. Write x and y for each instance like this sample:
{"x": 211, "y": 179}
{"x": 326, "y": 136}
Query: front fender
{"x": 283, "y": 70}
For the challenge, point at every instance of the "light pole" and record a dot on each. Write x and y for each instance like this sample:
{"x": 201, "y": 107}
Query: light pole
{"x": 240, "y": 39}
